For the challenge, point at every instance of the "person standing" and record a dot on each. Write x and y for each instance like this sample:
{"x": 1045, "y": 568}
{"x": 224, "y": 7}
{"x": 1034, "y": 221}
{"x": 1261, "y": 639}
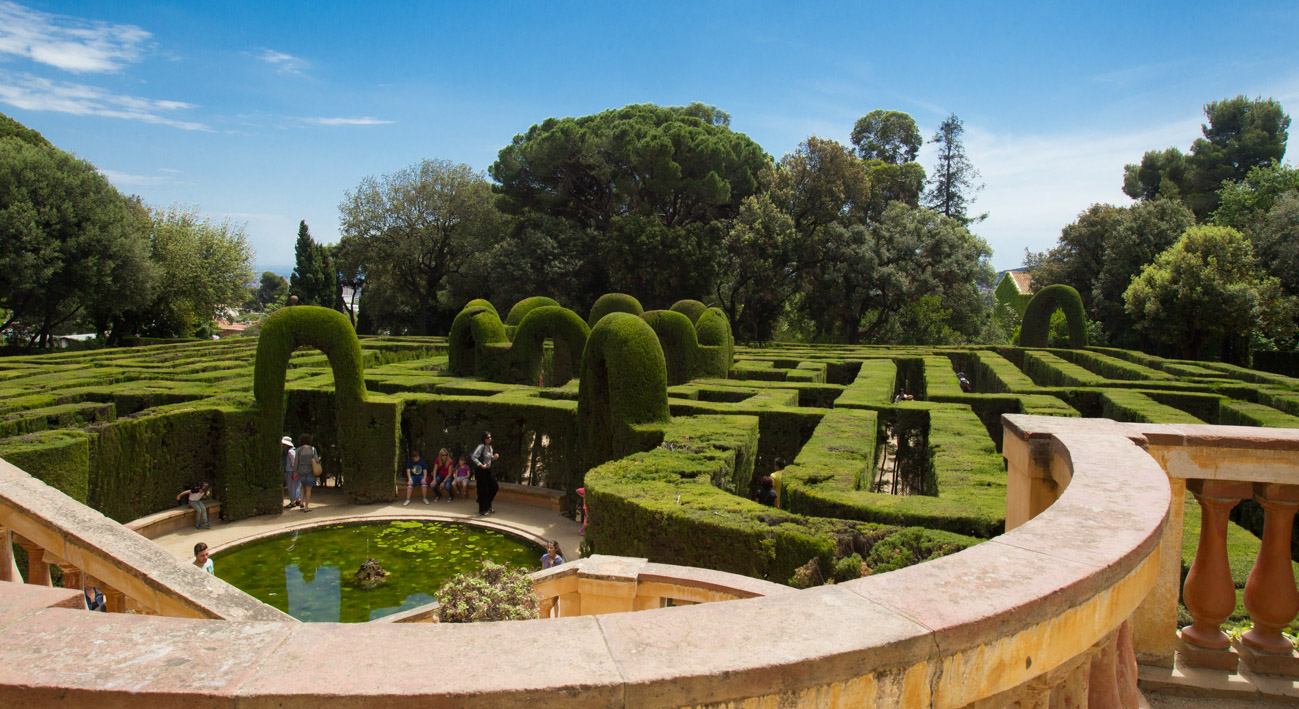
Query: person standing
{"x": 290, "y": 467}
{"x": 482, "y": 460}
{"x": 306, "y": 462}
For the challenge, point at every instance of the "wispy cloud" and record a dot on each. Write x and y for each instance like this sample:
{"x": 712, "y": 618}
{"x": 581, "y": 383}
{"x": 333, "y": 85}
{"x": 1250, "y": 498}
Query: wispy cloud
{"x": 285, "y": 63}
{"x": 35, "y": 93}
{"x": 69, "y": 43}
{"x": 125, "y": 179}
{"x": 362, "y": 121}
{"x": 1037, "y": 184}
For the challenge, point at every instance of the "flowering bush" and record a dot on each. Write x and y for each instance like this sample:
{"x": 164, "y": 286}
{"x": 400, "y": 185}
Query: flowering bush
{"x": 494, "y": 592}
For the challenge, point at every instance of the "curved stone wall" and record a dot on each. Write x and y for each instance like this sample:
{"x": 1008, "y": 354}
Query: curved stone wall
{"x": 1039, "y": 612}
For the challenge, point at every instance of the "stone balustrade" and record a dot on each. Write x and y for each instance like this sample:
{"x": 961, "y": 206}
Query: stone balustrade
{"x": 1042, "y": 615}
{"x": 1220, "y": 466}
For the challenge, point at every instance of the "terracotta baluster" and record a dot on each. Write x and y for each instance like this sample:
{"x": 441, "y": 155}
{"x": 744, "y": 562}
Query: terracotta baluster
{"x": 1209, "y": 593}
{"x": 1270, "y": 594}
{"x": 71, "y": 576}
{"x": 6, "y": 555}
{"x": 38, "y": 571}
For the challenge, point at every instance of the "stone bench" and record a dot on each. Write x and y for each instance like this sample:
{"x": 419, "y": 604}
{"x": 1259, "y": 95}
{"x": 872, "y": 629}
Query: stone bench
{"x": 514, "y": 492}
{"x": 175, "y": 519}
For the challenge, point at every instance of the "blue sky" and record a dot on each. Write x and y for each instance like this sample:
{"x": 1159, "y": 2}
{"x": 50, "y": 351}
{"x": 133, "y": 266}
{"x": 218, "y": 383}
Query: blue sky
{"x": 267, "y": 113}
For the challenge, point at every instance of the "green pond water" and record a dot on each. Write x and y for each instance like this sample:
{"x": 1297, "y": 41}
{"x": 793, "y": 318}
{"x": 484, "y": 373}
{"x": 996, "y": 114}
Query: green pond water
{"x": 308, "y": 574}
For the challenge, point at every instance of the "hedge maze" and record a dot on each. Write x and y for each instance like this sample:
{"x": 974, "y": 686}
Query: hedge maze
{"x": 665, "y": 422}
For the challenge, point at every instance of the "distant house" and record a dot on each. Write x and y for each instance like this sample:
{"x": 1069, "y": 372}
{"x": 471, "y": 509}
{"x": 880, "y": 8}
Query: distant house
{"x": 1015, "y": 289}
{"x": 226, "y": 329}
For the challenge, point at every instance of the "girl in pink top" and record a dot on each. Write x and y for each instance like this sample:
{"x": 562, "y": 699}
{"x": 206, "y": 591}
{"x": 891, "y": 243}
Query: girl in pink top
{"x": 462, "y": 477}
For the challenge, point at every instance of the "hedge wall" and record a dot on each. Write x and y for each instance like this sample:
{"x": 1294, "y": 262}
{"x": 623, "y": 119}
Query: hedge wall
{"x": 623, "y": 384}
{"x": 613, "y": 303}
{"x": 60, "y": 459}
{"x": 689, "y": 308}
{"x": 1037, "y": 316}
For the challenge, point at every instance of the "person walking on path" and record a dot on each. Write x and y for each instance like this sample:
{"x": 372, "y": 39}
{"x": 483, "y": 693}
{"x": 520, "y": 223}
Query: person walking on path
{"x": 482, "y": 460}
{"x": 196, "y": 495}
{"x": 307, "y": 462}
{"x": 415, "y": 475}
{"x": 290, "y": 466}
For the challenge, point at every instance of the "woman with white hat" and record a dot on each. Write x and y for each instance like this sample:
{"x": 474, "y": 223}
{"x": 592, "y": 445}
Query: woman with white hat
{"x": 289, "y": 464}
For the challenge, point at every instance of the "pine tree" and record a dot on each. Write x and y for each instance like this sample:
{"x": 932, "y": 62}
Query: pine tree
{"x": 952, "y": 188}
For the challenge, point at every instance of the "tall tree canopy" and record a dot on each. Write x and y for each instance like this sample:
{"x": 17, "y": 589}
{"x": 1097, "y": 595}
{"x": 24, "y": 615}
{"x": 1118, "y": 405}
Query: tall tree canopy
{"x": 866, "y": 277}
{"x": 680, "y": 165}
{"x": 821, "y": 183}
{"x": 888, "y": 136}
{"x": 204, "y": 268}
{"x": 1207, "y": 285}
{"x": 315, "y": 278}
{"x": 1241, "y": 134}
{"x": 952, "y": 187}
{"x": 759, "y": 266}
{"x": 71, "y": 246}
{"x": 415, "y": 227}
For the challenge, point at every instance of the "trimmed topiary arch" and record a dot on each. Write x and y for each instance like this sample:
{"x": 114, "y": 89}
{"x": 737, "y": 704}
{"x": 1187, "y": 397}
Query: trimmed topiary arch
{"x": 716, "y": 347}
{"x": 613, "y": 303}
{"x": 623, "y": 388}
{"x": 284, "y": 331}
{"x": 525, "y": 306}
{"x": 689, "y": 308}
{"x": 473, "y": 332}
{"x": 562, "y": 325}
{"x": 481, "y": 303}
{"x": 1037, "y": 316}
{"x": 679, "y": 342}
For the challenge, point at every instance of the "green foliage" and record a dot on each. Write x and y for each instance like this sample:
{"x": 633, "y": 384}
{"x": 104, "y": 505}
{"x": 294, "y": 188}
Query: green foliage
{"x": 668, "y": 163}
{"x": 548, "y": 321}
{"x": 689, "y": 308}
{"x": 474, "y": 345}
{"x": 414, "y": 227}
{"x": 9, "y": 128}
{"x": 1037, "y": 316}
{"x": 1206, "y": 285}
{"x": 315, "y": 278}
{"x": 272, "y": 289}
{"x": 757, "y": 271}
{"x": 679, "y": 341}
{"x": 525, "y": 306}
{"x": 494, "y": 593}
{"x": 1007, "y": 294}
{"x": 952, "y": 187}
{"x": 204, "y": 268}
{"x": 480, "y": 303}
{"x": 888, "y": 136}
{"x": 911, "y": 546}
{"x": 1160, "y": 174}
{"x": 69, "y": 242}
{"x": 871, "y": 275}
{"x": 716, "y": 345}
{"x": 60, "y": 459}
{"x": 623, "y": 386}
{"x": 1243, "y": 204}
{"x": 613, "y": 303}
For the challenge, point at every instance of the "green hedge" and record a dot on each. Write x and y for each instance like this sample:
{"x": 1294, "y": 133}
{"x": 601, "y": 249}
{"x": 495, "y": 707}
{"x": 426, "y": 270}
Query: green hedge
{"x": 1037, "y": 316}
{"x": 60, "y": 459}
{"x": 689, "y": 308}
{"x": 716, "y": 345}
{"x": 527, "y": 305}
{"x": 1048, "y": 370}
{"x": 613, "y": 303}
{"x": 541, "y": 322}
{"x": 664, "y": 505}
{"x": 623, "y": 385}
{"x": 140, "y": 464}
{"x": 680, "y": 344}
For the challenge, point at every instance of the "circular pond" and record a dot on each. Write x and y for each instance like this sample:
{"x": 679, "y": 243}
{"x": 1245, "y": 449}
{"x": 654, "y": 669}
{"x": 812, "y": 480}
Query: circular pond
{"x": 309, "y": 573}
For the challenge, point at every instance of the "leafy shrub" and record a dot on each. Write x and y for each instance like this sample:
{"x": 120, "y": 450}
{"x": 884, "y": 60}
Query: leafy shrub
{"x": 848, "y": 568}
{"x": 911, "y": 546}
{"x": 494, "y": 592}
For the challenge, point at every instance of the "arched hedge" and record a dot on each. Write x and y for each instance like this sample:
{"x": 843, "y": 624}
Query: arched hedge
{"x": 679, "y": 342}
{"x": 481, "y": 303}
{"x": 716, "y": 347}
{"x": 284, "y": 331}
{"x": 613, "y": 303}
{"x": 471, "y": 345}
{"x": 689, "y": 308}
{"x": 525, "y": 306}
{"x": 562, "y": 325}
{"x": 1037, "y": 316}
{"x": 623, "y": 387}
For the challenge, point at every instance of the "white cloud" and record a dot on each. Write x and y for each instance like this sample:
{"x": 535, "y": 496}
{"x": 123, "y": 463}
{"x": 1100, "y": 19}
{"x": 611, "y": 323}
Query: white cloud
{"x": 363, "y": 121}
{"x": 69, "y": 43}
{"x": 123, "y": 179}
{"x": 1037, "y": 184}
{"x": 35, "y": 93}
{"x": 285, "y": 63}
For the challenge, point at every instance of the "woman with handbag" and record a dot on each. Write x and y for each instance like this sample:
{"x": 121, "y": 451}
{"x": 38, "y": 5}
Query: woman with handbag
{"x": 483, "y": 479}
{"x": 309, "y": 468}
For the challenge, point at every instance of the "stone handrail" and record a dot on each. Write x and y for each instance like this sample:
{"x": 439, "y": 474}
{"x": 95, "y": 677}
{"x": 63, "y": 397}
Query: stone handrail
{"x": 131, "y": 571}
{"x": 1037, "y": 615}
{"x": 1220, "y": 466}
